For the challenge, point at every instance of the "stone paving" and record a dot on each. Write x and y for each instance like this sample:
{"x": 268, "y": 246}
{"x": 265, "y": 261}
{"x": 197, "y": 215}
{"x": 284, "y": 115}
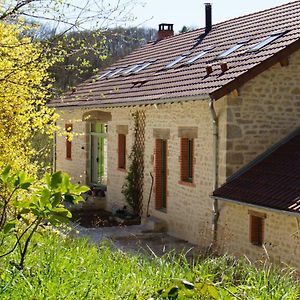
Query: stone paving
{"x": 137, "y": 239}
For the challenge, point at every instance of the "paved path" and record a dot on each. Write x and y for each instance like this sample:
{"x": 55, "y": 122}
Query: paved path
{"x": 135, "y": 238}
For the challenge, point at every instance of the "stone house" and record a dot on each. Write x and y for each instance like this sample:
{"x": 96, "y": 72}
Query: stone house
{"x": 214, "y": 107}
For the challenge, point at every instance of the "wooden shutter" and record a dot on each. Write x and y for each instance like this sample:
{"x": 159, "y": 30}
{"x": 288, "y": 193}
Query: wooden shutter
{"x": 68, "y": 128}
{"x": 256, "y": 230}
{"x": 121, "y": 151}
{"x": 186, "y": 159}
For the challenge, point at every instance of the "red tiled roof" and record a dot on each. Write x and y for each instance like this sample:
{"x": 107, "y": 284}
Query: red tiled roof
{"x": 154, "y": 84}
{"x": 272, "y": 182}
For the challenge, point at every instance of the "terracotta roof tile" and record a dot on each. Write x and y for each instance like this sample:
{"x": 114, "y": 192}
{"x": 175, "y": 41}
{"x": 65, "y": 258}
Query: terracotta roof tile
{"x": 273, "y": 181}
{"x": 154, "y": 83}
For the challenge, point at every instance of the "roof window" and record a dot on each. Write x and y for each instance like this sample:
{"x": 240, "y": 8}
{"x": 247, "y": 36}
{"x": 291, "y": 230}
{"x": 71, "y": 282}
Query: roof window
{"x": 267, "y": 41}
{"x": 177, "y": 60}
{"x": 105, "y": 74}
{"x": 232, "y": 49}
{"x": 199, "y": 55}
{"x": 132, "y": 69}
{"x": 144, "y": 66}
{"x": 115, "y": 72}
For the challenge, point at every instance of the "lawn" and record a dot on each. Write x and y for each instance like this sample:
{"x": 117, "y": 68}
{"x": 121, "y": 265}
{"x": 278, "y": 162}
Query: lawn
{"x": 62, "y": 268}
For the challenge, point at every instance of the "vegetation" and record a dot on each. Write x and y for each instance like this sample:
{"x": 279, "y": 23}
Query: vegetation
{"x": 132, "y": 187}
{"x": 59, "y": 268}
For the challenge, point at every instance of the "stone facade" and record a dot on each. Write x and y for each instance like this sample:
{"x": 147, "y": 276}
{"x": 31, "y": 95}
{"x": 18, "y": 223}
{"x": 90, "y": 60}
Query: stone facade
{"x": 281, "y": 235}
{"x": 266, "y": 109}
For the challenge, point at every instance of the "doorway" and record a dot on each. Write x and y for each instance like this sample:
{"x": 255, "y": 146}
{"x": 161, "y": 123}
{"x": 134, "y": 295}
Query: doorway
{"x": 98, "y": 154}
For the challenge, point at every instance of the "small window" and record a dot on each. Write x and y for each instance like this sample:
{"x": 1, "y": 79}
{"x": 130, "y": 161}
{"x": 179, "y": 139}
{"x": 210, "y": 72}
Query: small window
{"x": 177, "y": 60}
{"x": 266, "y": 41}
{"x": 121, "y": 151}
{"x": 132, "y": 69}
{"x": 199, "y": 55}
{"x": 115, "y": 72}
{"x": 144, "y": 66}
{"x": 69, "y": 129}
{"x": 187, "y": 160}
{"x": 105, "y": 74}
{"x": 256, "y": 230}
{"x": 232, "y": 49}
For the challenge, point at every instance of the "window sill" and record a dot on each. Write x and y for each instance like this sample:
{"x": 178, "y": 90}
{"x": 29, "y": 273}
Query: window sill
{"x": 186, "y": 183}
{"x": 122, "y": 170}
{"x": 68, "y": 158}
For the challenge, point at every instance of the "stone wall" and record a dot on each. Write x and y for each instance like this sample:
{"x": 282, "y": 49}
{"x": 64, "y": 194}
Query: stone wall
{"x": 266, "y": 110}
{"x": 281, "y": 235}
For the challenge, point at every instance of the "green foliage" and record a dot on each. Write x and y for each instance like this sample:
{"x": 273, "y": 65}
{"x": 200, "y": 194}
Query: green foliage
{"x": 131, "y": 188}
{"x": 60, "y": 268}
{"x": 26, "y": 204}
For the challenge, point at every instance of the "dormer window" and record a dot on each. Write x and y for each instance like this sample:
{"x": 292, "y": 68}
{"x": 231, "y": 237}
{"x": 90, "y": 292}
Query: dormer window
{"x": 266, "y": 41}
{"x": 177, "y": 60}
{"x": 232, "y": 49}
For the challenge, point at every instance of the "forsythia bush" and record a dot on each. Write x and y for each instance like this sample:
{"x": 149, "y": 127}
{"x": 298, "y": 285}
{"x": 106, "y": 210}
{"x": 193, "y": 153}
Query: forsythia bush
{"x": 24, "y": 85}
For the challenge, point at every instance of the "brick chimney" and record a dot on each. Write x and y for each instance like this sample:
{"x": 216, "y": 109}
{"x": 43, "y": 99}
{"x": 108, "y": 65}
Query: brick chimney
{"x": 164, "y": 30}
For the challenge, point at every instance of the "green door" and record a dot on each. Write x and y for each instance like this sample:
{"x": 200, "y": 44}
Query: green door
{"x": 98, "y": 154}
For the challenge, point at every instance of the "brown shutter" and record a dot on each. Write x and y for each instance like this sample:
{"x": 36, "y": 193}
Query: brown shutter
{"x": 256, "y": 230}
{"x": 184, "y": 163}
{"x": 121, "y": 151}
{"x": 158, "y": 173}
{"x": 68, "y": 128}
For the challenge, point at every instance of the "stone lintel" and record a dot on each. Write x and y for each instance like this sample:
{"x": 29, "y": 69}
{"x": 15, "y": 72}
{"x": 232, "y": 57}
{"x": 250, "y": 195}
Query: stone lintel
{"x": 161, "y": 133}
{"x": 188, "y": 132}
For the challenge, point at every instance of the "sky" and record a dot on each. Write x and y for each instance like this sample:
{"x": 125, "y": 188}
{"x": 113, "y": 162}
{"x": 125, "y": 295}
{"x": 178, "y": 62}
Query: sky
{"x": 191, "y": 12}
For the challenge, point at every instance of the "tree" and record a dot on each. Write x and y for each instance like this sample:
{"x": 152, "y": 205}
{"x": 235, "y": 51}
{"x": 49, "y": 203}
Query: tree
{"x": 24, "y": 85}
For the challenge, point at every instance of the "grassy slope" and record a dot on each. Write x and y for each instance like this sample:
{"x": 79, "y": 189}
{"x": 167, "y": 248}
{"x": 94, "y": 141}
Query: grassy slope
{"x": 65, "y": 269}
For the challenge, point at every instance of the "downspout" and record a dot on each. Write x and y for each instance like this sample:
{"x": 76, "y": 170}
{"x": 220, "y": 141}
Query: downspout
{"x": 216, "y": 212}
{"x": 54, "y": 153}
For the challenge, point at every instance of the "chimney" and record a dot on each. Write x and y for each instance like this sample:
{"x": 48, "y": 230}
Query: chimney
{"x": 208, "y": 18}
{"x": 164, "y": 30}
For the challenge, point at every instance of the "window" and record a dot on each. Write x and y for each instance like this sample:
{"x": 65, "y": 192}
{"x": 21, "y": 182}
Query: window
{"x": 121, "y": 151}
{"x": 144, "y": 66}
{"x": 131, "y": 69}
{"x": 105, "y": 74}
{"x": 256, "y": 230}
{"x": 232, "y": 49}
{"x": 115, "y": 72}
{"x": 187, "y": 160}
{"x": 266, "y": 41}
{"x": 199, "y": 55}
{"x": 69, "y": 129}
{"x": 177, "y": 60}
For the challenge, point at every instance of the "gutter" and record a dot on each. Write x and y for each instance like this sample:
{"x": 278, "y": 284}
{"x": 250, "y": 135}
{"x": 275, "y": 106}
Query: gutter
{"x": 285, "y": 212}
{"x": 216, "y": 213}
{"x": 97, "y": 104}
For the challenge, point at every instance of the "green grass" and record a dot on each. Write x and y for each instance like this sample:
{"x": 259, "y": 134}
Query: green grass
{"x": 58, "y": 268}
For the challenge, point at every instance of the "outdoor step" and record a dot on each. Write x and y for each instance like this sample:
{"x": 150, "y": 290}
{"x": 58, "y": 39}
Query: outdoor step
{"x": 152, "y": 224}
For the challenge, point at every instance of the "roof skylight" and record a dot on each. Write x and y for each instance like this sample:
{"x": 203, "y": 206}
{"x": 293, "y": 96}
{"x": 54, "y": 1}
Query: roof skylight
{"x": 105, "y": 74}
{"x": 144, "y": 66}
{"x": 177, "y": 60}
{"x": 232, "y": 49}
{"x": 131, "y": 69}
{"x": 266, "y": 41}
{"x": 115, "y": 72}
{"x": 199, "y": 55}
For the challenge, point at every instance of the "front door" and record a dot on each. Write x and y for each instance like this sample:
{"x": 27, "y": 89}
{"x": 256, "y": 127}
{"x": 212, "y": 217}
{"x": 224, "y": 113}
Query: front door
{"x": 161, "y": 174}
{"x": 98, "y": 154}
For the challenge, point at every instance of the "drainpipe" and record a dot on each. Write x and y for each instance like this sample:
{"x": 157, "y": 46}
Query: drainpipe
{"x": 216, "y": 212}
{"x": 54, "y": 153}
